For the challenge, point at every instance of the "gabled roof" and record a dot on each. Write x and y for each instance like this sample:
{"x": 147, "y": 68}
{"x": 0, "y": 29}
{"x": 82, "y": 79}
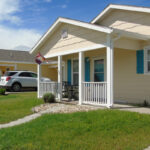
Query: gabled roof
{"x": 16, "y": 56}
{"x": 71, "y": 22}
{"x": 120, "y": 7}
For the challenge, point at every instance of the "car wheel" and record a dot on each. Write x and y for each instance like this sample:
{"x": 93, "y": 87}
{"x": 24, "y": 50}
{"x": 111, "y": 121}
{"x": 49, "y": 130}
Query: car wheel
{"x": 16, "y": 87}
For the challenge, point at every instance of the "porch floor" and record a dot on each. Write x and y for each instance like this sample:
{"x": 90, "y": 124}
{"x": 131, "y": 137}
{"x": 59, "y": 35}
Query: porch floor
{"x": 71, "y": 102}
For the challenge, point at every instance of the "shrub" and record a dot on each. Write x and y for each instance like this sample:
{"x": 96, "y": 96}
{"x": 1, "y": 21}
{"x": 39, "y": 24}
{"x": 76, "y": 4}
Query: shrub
{"x": 49, "y": 98}
{"x": 2, "y": 91}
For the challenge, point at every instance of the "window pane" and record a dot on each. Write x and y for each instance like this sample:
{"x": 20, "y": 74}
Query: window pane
{"x": 75, "y": 79}
{"x": 25, "y": 74}
{"x": 33, "y": 75}
{"x": 75, "y": 66}
{"x": 99, "y": 77}
{"x": 148, "y": 54}
{"x": 99, "y": 65}
{"x": 148, "y": 66}
{"x": 10, "y": 73}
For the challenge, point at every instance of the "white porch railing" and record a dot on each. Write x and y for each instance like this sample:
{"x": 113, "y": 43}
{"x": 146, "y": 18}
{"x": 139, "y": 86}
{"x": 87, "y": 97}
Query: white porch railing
{"x": 95, "y": 93}
{"x": 48, "y": 87}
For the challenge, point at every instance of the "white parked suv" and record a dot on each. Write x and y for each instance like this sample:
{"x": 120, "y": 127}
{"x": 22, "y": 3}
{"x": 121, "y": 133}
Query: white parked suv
{"x": 15, "y": 80}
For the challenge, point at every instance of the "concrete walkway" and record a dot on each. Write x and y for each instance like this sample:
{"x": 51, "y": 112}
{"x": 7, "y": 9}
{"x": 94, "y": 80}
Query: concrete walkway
{"x": 20, "y": 121}
{"x": 50, "y": 109}
{"x": 64, "y": 108}
{"x": 142, "y": 110}
{"x": 147, "y": 148}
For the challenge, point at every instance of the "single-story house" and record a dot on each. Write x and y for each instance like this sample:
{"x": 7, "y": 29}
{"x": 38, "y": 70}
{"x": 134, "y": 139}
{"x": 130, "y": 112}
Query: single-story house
{"x": 108, "y": 58}
{"x": 11, "y": 60}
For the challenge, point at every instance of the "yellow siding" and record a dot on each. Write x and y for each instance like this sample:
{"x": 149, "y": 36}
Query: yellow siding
{"x": 128, "y": 85}
{"x": 78, "y": 37}
{"x": 49, "y": 72}
{"x": 136, "y": 22}
{"x": 46, "y": 70}
{"x": 28, "y": 67}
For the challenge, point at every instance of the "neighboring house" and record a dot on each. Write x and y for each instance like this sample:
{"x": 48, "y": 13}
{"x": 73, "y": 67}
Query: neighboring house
{"x": 109, "y": 58}
{"x": 22, "y": 60}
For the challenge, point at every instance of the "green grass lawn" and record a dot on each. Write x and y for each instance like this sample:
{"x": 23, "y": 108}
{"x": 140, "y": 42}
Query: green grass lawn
{"x": 16, "y": 106}
{"x": 96, "y": 130}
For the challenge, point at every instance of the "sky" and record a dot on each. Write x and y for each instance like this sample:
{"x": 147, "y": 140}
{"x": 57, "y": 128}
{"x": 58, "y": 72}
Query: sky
{"x": 23, "y": 22}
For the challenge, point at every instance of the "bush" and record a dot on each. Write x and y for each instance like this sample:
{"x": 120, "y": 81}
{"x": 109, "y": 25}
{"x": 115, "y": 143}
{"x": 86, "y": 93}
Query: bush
{"x": 2, "y": 91}
{"x": 49, "y": 98}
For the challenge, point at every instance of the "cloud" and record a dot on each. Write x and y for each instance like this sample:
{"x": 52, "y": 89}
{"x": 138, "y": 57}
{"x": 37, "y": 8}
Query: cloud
{"x": 16, "y": 37}
{"x": 64, "y": 6}
{"x": 8, "y": 8}
{"x": 13, "y": 38}
{"x": 48, "y": 1}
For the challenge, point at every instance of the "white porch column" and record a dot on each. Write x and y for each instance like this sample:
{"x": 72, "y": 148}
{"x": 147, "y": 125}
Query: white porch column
{"x": 81, "y": 76}
{"x": 38, "y": 81}
{"x": 59, "y": 78}
{"x": 110, "y": 62}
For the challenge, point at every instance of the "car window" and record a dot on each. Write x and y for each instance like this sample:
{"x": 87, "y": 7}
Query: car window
{"x": 25, "y": 74}
{"x": 34, "y": 75}
{"x": 10, "y": 73}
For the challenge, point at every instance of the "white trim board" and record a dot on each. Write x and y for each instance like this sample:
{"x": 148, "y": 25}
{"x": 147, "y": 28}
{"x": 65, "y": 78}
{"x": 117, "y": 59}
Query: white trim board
{"x": 146, "y": 49}
{"x": 97, "y": 46}
{"x": 9, "y": 65}
{"x": 120, "y": 7}
{"x": 19, "y": 62}
{"x": 71, "y": 22}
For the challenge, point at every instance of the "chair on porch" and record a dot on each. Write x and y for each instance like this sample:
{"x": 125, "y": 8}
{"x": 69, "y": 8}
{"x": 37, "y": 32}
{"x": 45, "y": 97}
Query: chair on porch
{"x": 70, "y": 91}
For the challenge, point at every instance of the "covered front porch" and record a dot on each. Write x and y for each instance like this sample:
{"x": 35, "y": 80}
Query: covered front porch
{"x": 87, "y": 74}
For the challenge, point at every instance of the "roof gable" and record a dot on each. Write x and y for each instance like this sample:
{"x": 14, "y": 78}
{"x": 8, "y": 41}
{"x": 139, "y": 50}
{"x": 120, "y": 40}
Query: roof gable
{"x": 60, "y": 21}
{"x": 78, "y": 39}
{"x": 111, "y": 7}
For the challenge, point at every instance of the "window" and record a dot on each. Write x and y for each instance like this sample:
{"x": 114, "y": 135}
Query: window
{"x": 148, "y": 60}
{"x": 75, "y": 72}
{"x": 99, "y": 70}
{"x": 25, "y": 74}
{"x": 34, "y": 75}
{"x": 10, "y": 73}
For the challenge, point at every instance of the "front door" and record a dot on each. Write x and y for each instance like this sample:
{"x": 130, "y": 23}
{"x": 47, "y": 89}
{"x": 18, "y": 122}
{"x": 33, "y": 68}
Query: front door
{"x": 99, "y": 70}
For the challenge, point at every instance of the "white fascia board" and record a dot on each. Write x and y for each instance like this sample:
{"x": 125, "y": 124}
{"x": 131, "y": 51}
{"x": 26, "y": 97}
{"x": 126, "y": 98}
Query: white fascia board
{"x": 121, "y": 7}
{"x": 72, "y": 22}
{"x": 87, "y": 25}
{"x": 97, "y": 46}
{"x": 100, "y": 15}
{"x": 44, "y": 36}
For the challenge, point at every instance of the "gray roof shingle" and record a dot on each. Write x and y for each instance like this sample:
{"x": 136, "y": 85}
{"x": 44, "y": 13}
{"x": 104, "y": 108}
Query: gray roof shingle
{"x": 16, "y": 56}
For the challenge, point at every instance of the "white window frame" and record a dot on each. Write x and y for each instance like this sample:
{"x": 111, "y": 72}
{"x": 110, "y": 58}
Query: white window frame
{"x": 146, "y": 49}
{"x": 72, "y": 69}
{"x": 99, "y": 58}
